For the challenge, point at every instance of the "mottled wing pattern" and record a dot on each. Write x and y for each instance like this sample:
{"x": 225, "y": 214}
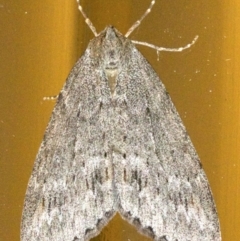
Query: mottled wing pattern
{"x": 70, "y": 192}
{"x": 162, "y": 187}
{"x": 116, "y": 143}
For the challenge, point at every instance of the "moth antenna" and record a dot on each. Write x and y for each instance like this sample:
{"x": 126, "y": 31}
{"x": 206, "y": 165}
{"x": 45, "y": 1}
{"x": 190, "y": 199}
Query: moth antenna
{"x": 87, "y": 20}
{"x": 158, "y": 49}
{"x": 138, "y": 22}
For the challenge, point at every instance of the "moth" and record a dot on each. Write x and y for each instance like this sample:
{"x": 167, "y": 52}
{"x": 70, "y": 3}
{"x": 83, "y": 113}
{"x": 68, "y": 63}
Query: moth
{"x": 115, "y": 143}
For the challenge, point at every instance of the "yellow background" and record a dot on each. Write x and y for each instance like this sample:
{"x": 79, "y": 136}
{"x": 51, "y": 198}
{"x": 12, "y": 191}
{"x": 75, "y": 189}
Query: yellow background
{"x": 40, "y": 42}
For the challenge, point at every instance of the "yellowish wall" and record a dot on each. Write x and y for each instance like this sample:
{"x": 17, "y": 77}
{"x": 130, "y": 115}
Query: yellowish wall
{"x": 41, "y": 40}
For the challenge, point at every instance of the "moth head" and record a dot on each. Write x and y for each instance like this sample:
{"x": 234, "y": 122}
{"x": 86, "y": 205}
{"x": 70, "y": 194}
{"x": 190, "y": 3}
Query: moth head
{"x": 109, "y": 50}
{"x": 112, "y": 46}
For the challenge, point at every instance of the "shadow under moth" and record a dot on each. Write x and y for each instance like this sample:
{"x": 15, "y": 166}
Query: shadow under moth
{"x": 115, "y": 143}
